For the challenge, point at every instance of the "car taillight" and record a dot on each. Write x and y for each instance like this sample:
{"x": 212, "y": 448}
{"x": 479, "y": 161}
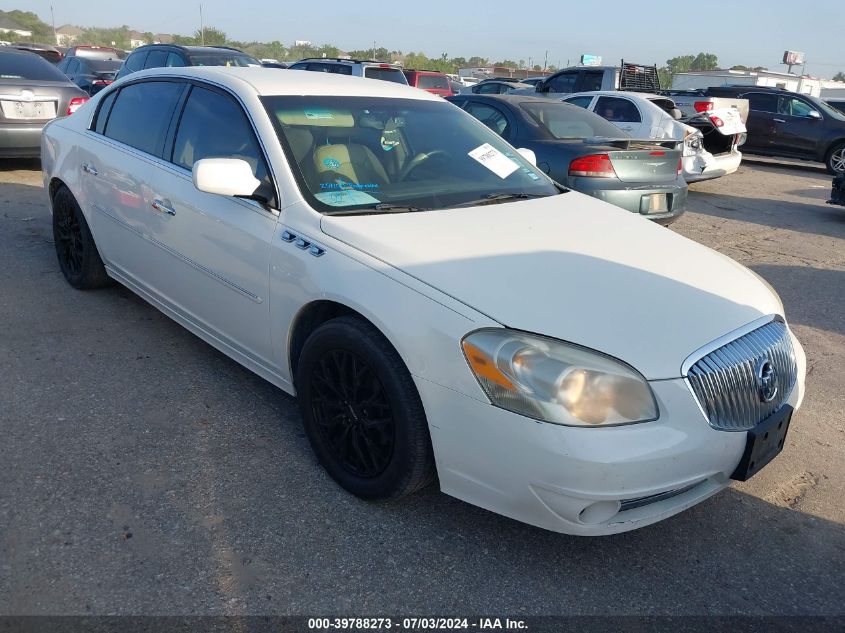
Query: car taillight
{"x": 593, "y": 166}
{"x": 75, "y": 104}
{"x": 703, "y": 106}
{"x": 717, "y": 121}
{"x": 102, "y": 82}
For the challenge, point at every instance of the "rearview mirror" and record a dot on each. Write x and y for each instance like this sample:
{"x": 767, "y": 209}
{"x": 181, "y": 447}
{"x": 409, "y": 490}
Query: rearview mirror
{"x": 224, "y": 176}
{"x": 814, "y": 114}
{"x": 528, "y": 155}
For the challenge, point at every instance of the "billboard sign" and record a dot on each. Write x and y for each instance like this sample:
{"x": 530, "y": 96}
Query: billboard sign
{"x": 793, "y": 58}
{"x": 591, "y": 60}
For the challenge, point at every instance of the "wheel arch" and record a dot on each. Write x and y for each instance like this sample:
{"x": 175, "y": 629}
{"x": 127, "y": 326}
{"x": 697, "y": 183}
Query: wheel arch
{"x": 55, "y": 184}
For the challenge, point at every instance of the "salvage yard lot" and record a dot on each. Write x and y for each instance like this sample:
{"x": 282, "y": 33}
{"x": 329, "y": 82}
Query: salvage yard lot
{"x": 143, "y": 472}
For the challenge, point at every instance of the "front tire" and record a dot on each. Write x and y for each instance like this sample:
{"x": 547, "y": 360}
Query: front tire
{"x": 361, "y": 411}
{"x": 835, "y": 160}
{"x": 78, "y": 257}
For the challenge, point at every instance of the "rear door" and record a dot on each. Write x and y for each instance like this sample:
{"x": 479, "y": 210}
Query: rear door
{"x": 129, "y": 133}
{"x": 761, "y": 124}
{"x": 213, "y": 259}
{"x": 623, "y": 113}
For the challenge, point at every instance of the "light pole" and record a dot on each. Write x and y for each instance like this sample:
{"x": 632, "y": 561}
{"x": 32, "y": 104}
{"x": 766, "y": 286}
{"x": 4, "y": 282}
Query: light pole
{"x": 202, "y": 29}
{"x": 53, "y": 20}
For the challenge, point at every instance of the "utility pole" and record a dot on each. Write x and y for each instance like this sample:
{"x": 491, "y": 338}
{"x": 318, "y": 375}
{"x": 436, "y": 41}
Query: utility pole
{"x": 202, "y": 28}
{"x": 374, "y": 49}
{"x": 53, "y": 19}
{"x": 546, "y": 61}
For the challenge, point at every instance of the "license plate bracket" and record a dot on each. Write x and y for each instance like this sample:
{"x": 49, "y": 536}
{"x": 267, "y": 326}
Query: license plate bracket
{"x": 764, "y": 443}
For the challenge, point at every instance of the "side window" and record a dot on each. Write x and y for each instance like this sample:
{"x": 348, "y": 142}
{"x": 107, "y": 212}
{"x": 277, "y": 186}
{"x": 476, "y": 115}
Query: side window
{"x": 490, "y": 88}
{"x": 298, "y": 67}
{"x": 565, "y": 82}
{"x": 174, "y": 60}
{"x": 103, "y": 112}
{"x": 200, "y": 135}
{"x": 490, "y": 116}
{"x": 72, "y": 67}
{"x": 581, "y": 102}
{"x": 794, "y": 107}
{"x": 62, "y": 65}
{"x": 617, "y": 110}
{"x": 156, "y": 59}
{"x": 590, "y": 80}
{"x": 141, "y": 114}
{"x": 135, "y": 62}
{"x": 762, "y": 102}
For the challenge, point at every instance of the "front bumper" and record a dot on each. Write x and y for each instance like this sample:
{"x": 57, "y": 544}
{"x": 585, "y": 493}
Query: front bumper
{"x": 706, "y": 166}
{"x": 20, "y": 140}
{"x": 630, "y": 196}
{"x": 583, "y": 481}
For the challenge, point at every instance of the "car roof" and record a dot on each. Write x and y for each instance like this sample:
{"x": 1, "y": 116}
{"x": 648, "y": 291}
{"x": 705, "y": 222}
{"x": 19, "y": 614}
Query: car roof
{"x": 191, "y": 49}
{"x": 269, "y": 81}
{"x": 514, "y": 99}
{"x": 648, "y": 96}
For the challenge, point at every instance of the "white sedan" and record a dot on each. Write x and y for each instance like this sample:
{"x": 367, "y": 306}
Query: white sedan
{"x": 711, "y": 148}
{"x": 440, "y": 307}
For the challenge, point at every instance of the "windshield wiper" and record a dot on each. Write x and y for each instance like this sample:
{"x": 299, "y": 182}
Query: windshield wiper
{"x": 379, "y": 208}
{"x": 493, "y": 198}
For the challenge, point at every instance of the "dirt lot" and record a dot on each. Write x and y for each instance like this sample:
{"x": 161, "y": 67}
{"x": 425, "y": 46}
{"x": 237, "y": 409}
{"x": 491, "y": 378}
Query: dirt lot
{"x": 143, "y": 472}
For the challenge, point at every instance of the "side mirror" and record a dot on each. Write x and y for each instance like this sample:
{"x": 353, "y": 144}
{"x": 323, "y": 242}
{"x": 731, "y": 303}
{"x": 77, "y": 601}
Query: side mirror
{"x": 814, "y": 114}
{"x": 676, "y": 114}
{"x": 225, "y": 177}
{"x": 528, "y": 155}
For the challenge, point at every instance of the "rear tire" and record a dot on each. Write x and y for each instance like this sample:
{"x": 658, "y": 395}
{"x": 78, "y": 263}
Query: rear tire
{"x": 78, "y": 257}
{"x": 361, "y": 411}
{"x": 835, "y": 160}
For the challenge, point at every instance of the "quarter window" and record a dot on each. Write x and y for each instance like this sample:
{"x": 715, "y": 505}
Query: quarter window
{"x": 201, "y": 135}
{"x": 103, "y": 112}
{"x": 141, "y": 114}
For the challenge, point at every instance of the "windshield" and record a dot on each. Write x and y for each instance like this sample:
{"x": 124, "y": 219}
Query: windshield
{"x": 369, "y": 154}
{"x": 385, "y": 74}
{"x": 222, "y": 58}
{"x": 828, "y": 109}
{"x": 28, "y": 66}
{"x": 562, "y": 120}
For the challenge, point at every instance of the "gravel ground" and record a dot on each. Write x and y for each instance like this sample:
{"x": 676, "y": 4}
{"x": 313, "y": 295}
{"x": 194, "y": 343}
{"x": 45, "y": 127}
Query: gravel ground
{"x": 142, "y": 472}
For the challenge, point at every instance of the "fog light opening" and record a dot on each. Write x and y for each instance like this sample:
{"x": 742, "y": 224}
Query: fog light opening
{"x": 599, "y": 512}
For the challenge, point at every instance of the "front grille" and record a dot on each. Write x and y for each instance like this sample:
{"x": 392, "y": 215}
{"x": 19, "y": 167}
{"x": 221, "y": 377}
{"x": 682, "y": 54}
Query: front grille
{"x": 726, "y": 380}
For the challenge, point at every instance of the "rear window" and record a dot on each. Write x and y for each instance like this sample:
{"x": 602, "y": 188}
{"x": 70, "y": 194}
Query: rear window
{"x": 385, "y": 74}
{"x": 28, "y": 66}
{"x": 99, "y": 53}
{"x": 432, "y": 81}
{"x": 103, "y": 65}
{"x": 562, "y": 120}
{"x": 222, "y": 58}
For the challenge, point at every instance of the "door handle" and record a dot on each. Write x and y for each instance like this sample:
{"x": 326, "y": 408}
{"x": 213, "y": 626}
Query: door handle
{"x": 88, "y": 168}
{"x": 158, "y": 205}
{"x": 778, "y": 120}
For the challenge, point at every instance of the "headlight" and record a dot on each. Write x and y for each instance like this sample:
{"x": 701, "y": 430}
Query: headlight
{"x": 693, "y": 144}
{"x": 557, "y": 382}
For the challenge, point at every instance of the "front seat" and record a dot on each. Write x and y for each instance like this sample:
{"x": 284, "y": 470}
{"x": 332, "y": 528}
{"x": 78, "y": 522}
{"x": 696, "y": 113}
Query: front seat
{"x": 301, "y": 143}
{"x": 354, "y": 163}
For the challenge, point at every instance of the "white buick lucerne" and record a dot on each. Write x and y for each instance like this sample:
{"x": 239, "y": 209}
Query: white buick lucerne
{"x": 440, "y": 307}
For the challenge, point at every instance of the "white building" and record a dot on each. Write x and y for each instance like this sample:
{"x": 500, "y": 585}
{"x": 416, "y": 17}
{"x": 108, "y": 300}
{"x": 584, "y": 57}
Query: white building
{"x": 66, "y": 34}
{"x": 694, "y": 80}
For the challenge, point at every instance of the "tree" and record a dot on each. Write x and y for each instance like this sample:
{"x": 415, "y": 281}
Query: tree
{"x": 840, "y": 76}
{"x": 210, "y": 36}
{"x": 30, "y": 22}
{"x": 114, "y": 36}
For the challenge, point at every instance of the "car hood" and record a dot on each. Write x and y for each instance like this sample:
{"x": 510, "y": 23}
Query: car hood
{"x": 573, "y": 268}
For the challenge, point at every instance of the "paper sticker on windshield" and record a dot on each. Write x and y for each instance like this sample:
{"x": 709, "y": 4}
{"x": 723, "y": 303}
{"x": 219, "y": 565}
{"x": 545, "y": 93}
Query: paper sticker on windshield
{"x": 345, "y": 198}
{"x": 316, "y": 113}
{"x": 494, "y": 160}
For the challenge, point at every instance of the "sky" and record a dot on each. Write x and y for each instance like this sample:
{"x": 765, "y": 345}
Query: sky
{"x": 749, "y": 32}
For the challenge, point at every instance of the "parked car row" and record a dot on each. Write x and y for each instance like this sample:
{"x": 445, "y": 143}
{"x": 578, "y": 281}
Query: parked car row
{"x": 440, "y": 306}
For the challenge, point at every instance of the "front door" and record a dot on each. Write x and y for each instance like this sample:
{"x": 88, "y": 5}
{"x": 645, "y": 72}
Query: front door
{"x": 213, "y": 267}
{"x": 796, "y": 131}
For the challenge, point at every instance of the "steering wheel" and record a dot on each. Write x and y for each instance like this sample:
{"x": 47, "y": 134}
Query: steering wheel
{"x": 418, "y": 160}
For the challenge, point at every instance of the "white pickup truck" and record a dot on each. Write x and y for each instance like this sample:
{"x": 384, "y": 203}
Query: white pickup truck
{"x": 636, "y": 78}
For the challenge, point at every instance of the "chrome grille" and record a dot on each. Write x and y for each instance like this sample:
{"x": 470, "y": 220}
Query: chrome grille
{"x": 726, "y": 380}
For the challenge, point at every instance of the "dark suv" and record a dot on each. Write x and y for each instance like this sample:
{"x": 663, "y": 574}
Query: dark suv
{"x": 171, "y": 55}
{"x": 790, "y": 125}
